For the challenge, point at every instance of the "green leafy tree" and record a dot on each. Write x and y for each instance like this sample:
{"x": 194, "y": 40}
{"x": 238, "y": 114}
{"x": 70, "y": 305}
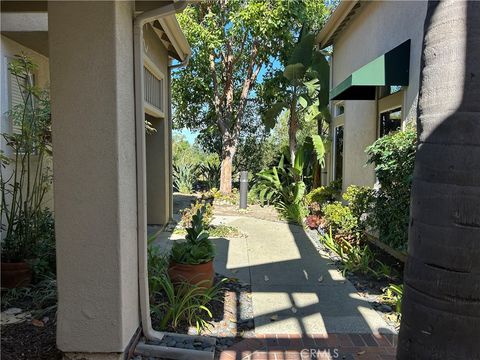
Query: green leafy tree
{"x": 232, "y": 41}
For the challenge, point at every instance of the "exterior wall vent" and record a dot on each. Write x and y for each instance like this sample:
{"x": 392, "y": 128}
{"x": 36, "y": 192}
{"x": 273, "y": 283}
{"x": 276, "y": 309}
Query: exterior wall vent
{"x": 153, "y": 90}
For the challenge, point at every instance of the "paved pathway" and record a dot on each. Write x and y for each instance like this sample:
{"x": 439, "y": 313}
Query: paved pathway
{"x": 295, "y": 289}
{"x": 301, "y": 302}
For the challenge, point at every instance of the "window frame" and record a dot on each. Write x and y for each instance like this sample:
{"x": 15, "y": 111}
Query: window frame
{"x": 388, "y": 103}
{"x": 151, "y": 109}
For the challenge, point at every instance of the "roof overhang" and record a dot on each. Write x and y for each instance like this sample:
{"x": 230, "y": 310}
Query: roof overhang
{"x": 389, "y": 69}
{"x": 169, "y": 32}
{"x": 337, "y": 21}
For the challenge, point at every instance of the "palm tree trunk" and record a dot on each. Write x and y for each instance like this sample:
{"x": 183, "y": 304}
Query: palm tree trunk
{"x": 441, "y": 304}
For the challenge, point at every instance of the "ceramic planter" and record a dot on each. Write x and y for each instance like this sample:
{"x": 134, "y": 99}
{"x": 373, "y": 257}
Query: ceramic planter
{"x": 16, "y": 274}
{"x": 193, "y": 274}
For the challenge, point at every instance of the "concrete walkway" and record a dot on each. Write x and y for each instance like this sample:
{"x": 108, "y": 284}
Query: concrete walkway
{"x": 294, "y": 289}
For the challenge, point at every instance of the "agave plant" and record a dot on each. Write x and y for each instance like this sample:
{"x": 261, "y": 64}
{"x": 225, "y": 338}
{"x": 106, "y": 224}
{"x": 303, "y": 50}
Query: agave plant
{"x": 184, "y": 177}
{"x": 211, "y": 173}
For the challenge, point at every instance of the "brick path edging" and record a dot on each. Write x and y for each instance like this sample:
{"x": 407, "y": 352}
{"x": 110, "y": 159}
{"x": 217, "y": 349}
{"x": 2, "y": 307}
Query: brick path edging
{"x": 333, "y": 346}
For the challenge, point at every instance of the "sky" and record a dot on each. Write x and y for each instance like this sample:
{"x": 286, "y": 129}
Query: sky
{"x": 190, "y": 135}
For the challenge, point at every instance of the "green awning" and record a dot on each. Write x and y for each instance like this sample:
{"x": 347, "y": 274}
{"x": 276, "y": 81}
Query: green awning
{"x": 390, "y": 69}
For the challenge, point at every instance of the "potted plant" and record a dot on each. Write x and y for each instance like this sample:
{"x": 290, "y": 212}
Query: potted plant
{"x": 192, "y": 260}
{"x": 24, "y": 176}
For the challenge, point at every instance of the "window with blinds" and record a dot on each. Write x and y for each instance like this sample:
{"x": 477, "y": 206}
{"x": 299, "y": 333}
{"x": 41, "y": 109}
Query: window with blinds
{"x": 153, "y": 89}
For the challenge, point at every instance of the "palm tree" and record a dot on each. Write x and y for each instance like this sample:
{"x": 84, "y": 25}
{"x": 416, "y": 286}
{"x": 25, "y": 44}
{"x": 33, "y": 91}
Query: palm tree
{"x": 441, "y": 305}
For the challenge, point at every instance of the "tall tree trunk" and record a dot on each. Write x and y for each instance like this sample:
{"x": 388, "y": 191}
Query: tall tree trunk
{"x": 229, "y": 147}
{"x": 441, "y": 304}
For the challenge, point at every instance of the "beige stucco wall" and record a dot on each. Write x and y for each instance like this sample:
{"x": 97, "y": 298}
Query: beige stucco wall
{"x": 92, "y": 87}
{"x": 378, "y": 27}
{"x": 157, "y": 144}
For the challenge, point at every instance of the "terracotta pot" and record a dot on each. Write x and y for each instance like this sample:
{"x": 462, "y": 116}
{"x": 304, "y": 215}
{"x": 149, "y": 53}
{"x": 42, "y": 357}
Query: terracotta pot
{"x": 16, "y": 274}
{"x": 193, "y": 274}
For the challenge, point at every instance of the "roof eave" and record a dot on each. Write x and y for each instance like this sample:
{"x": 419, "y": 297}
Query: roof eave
{"x": 344, "y": 8}
{"x": 176, "y": 36}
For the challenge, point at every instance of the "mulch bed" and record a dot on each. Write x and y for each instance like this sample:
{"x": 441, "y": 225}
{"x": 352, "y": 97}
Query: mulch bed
{"x": 25, "y": 341}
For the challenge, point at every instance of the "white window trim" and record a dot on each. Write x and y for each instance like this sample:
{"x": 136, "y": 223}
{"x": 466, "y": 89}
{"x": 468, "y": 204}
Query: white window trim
{"x": 150, "y": 109}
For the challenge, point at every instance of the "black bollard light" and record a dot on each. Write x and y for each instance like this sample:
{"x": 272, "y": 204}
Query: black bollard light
{"x": 243, "y": 189}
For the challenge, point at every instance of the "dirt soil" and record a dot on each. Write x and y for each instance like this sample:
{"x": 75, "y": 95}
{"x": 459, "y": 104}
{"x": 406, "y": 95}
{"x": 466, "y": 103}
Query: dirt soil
{"x": 256, "y": 211}
{"x": 25, "y": 341}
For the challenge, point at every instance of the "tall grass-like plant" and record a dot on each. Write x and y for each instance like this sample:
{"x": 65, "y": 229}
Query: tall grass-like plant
{"x": 185, "y": 303}
{"x": 25, "y": 178}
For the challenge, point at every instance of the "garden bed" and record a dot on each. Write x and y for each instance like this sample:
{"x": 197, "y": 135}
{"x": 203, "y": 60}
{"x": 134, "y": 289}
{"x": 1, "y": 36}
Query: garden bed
{"x": 30, "y": 338}
{"x": 232, "y": 319}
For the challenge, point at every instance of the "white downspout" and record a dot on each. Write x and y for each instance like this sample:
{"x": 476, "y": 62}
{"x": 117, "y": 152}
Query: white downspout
{"x": 139, "y": 22}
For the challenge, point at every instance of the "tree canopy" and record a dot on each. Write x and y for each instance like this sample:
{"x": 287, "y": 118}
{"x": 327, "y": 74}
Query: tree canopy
{"x": 234, "y": 44}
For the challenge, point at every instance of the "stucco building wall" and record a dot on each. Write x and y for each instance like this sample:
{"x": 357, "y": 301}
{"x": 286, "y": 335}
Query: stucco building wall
{"x": 377, "y": 28}
{"x": 92, "y": 89}
{"x": 157, "y": 144}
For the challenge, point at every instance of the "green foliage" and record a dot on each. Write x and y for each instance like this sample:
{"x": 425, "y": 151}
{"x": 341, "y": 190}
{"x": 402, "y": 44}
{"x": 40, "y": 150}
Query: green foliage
{"x": 157, "y": 264}
{"x": 188, "y": 214}
{"x": 393, "y": 156}
{"x": 249, "y": 31}
{"x": 44, "y": 265}
{"x": 340, "y": 218}
{"x": 210, "y": 172}
{"x": 393, "y": 295}
{"x": 180, "y": 303}
{"x": 284, "y": 185}
{"x": 353, "y": 257}
{"x": 185, "y": 303}
{"x": 197, "y": 249}
{"x": 24, "y": 174}
{"x": 323, "y": 194}
{"x": 360, "y": 201}
{"x": 184, "y": 177}
{"x": 232, "y": 43}
{"x": 42, "y": 295}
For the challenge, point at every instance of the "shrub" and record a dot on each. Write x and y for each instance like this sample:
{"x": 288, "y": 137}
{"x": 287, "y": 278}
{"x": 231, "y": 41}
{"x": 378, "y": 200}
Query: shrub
{"x": 324, "y": 194}
{"x": 187, "y": 215}
{"x": 393, "y": 156}
{"x": 360, "y": 200}
{"x": 340, "y": 218}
